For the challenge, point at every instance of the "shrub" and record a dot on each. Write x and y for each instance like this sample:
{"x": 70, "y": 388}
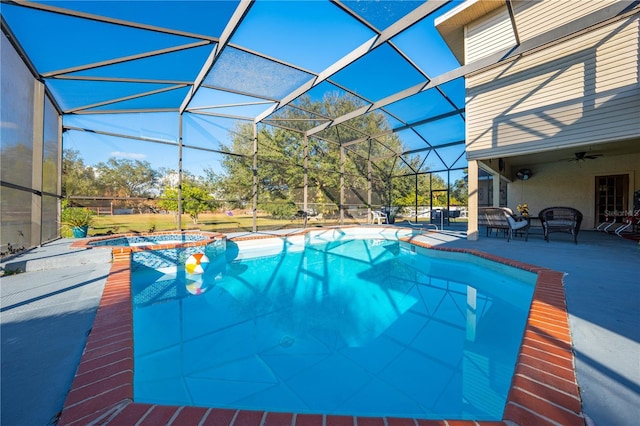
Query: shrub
{"x": 76, "y": 217}
{"x": 280, "y": 210}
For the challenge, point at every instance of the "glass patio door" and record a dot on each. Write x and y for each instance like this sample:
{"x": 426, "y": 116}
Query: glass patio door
{"x": 612, "y": 193}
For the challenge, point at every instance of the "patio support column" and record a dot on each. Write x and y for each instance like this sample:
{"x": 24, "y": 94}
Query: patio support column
{"x": 390, "y": 187}
{"x": 369, "y": 188}
{"x": 36, "y": 166}
{"x": 416, "y": 199}
{"x": 59, "y": 177}
{"x": 430, "y": 194}
{"x": 472, "y": 184}
{"x": 496, "y": 189}
{"x": 448, "y": 196}
{"x": 255, "y": 177}
{"x": 305, "y": 176}
{"x": 180, "y": 171}
{"x": 341, "y": 185}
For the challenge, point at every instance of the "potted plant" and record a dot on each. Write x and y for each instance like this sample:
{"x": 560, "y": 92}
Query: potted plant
{"x": 523, "y": 209}
{"x": 78, "y": 219}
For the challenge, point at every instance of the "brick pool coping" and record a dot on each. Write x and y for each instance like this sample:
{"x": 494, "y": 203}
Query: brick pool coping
{"x": 544, "y": 390}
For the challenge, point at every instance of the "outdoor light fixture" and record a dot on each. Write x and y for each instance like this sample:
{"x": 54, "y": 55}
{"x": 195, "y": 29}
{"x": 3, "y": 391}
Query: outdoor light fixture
{"x": 524, "y": 174}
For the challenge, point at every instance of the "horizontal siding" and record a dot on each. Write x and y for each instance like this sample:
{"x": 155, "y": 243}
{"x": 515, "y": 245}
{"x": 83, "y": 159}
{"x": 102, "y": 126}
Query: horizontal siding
{"x": 536, "y": 126}
{"x": 537, "y": 17}
{"x": 619, "y": 53}
{"x": 584, "y": 90}
{"x": 616, "y": 119}
{"x": 618, "y": 40}
{"x": 548, "y": 88}
{"x": 619, "y": 121}
{"x": 547, "y": 94}
{"x": 488, "y": 35}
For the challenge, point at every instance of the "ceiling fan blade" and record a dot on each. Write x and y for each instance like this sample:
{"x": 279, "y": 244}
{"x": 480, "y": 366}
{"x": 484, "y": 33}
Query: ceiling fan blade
{"x": 583, "y": 155}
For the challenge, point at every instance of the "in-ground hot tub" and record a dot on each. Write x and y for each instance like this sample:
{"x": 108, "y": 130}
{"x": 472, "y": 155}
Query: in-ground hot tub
{"x": 155, "y": 240}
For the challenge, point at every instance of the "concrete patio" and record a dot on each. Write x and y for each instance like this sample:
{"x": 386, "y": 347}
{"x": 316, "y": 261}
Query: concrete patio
{"x": 48, "y": 311}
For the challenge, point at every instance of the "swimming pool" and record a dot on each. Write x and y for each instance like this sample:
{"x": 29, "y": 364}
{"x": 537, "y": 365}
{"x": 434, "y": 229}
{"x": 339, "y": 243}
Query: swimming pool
{"x": 331, "y": 322}
{"x": 543, "y": 387}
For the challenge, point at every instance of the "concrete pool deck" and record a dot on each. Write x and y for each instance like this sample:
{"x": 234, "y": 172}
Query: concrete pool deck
{"x": 601, "y": 285}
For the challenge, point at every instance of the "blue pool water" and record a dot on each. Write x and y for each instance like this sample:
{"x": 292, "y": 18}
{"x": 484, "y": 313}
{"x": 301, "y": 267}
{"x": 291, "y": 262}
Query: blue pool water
{"x": 147, "y": 240}
{"x": 365, "y": 327}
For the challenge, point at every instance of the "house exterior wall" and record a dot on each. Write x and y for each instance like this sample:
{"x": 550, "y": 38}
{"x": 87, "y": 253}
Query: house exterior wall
{"x": 572, "y": 184}
{"x": 489, "y": 35}
{"x": 584, "y": 90}
{"x": 536, "y": 17}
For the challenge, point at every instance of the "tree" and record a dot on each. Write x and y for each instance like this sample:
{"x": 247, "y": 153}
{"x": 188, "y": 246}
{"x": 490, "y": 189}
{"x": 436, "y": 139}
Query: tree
{"x": 460, "y": 191}
{"x": 127, "y": 178}
{"x": 77, "y": 178}
{"x": 196, "y": 200}
{"x": 281, "y": 153}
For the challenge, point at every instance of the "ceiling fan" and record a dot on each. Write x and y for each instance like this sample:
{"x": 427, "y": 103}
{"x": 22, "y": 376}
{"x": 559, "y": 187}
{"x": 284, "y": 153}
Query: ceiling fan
{"x": 583, "y": 156}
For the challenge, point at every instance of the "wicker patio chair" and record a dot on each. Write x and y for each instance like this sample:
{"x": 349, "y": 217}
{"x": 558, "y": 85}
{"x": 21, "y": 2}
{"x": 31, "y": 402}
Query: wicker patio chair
{"x": 560, "y": 219}
{"x": 500, "y": 218}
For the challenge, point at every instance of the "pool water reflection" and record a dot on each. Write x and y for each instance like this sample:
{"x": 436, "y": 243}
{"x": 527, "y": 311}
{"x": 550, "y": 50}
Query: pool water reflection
{"x": 368, "y": 327}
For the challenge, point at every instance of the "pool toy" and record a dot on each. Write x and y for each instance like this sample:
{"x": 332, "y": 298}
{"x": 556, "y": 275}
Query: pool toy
{"x": 196, "y": 287}
{"x": 196, "y": 264}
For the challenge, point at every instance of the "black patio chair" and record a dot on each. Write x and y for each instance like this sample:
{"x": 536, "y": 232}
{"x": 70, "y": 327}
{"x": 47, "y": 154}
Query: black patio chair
{"x": 560, "y": 219}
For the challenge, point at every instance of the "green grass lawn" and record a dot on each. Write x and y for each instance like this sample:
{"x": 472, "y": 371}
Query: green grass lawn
{"x": 221, "y": 222}
{"x": 118, "y": 224}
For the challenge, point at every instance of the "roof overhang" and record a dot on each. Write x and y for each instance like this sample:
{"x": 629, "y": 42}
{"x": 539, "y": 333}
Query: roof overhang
{"x": 451, "y": 25}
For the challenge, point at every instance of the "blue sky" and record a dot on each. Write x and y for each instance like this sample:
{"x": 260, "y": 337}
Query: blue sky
{"x": 306, "y": 36}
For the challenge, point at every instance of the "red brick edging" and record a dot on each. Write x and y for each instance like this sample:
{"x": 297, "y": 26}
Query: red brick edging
{"x": 544, "y": 390}
{"x": 208, "y": 238}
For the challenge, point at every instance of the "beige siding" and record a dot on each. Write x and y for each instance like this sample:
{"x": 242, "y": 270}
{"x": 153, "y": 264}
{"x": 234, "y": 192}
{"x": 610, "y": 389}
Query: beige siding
{"x": 584, "y": 90}
{"x": 537, "y": 17}
{"x": 488, "y": 35}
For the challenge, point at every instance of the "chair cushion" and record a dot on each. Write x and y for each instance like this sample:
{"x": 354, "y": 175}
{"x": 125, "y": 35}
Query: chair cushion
{"x": 517, "y": 224}
{"x": 560, "y": 222}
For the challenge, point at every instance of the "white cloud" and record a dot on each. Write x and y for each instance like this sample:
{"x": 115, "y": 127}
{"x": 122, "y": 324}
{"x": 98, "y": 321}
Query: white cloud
{"x": 132, "y": 155}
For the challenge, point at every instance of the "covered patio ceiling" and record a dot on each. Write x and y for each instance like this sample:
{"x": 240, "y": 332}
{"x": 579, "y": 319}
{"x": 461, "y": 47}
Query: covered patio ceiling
{"x": 252, "y": 61}
{"x": 570, "y": 155}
